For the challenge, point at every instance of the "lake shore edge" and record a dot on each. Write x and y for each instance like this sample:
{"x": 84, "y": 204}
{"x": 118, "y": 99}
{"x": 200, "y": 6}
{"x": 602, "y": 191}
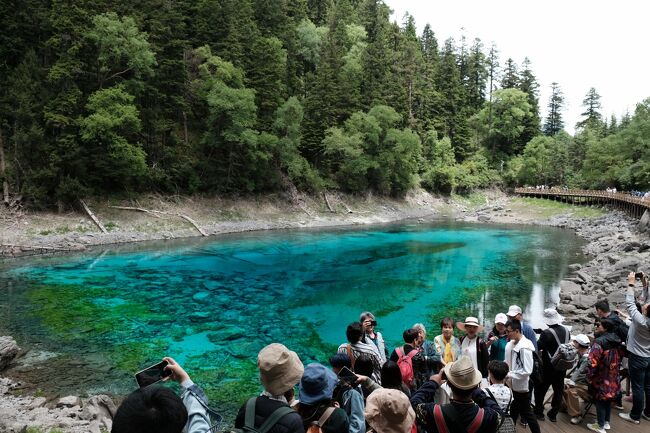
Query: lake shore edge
{"x": 614, "y": 245}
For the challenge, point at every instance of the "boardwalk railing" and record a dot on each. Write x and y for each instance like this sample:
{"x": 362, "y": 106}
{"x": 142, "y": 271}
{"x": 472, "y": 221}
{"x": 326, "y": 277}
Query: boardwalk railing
{"x": 635, "y": 206}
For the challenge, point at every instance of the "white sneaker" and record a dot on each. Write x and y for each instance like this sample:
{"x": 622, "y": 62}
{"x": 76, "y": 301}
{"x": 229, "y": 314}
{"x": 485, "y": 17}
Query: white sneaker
{"x": 576, "y": 420}
{"x": 607, "y": 426}
{"x": 595, "y": 427}
{"x": 628, "y": 418}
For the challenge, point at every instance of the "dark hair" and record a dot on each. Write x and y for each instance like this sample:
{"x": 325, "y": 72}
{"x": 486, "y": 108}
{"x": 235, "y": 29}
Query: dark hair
{"x": 341, "y": 360}
{"x": 391, "y": 376}
{"x": 514, "y": 324}
{"x": 153, "y": 409}
{"x": 447, "y": 321}
{"x": 363, "y": 365}
{"x": 607, "y": 324}
{"x": 461, "y": 393}
{"x": 354, "y": 332}
{"x": 410, "y": 335}
{"x": 499, "y": 369}
{"x": 602, "y": 305}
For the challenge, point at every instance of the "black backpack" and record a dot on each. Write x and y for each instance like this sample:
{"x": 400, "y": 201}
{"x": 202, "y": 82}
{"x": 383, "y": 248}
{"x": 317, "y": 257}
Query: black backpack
{"x": 249, "y": 418}
{"x": 536, "y": 376}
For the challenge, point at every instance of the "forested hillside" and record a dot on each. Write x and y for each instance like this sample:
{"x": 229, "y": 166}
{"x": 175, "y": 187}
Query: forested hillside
{"x": 247, "y": 96}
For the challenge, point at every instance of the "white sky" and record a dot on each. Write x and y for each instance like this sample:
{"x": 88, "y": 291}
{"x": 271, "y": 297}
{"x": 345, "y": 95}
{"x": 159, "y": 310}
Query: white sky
{"x": 577, "y": 43}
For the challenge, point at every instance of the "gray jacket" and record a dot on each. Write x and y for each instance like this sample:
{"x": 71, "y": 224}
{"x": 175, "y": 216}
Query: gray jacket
{"x": 195, "y": 402}
{"x": 638, "y": 337}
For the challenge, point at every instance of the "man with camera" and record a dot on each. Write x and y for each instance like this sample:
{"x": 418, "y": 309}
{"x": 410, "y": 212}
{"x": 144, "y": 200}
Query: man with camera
{"x": 638, "y": 349}
{"x": 471, "y": 410}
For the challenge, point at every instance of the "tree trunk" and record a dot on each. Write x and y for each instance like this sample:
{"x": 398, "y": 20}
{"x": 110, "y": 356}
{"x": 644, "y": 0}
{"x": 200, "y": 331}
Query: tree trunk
{"x": 3, "y": 172}
{"x": 185, "y": 128}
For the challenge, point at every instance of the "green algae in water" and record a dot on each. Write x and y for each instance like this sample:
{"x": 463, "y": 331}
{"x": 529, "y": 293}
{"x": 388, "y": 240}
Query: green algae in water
{"x": 213, "y": 304}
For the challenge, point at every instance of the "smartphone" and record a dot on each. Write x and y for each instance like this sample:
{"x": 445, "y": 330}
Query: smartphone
{"x": 348, "y": 376}
{"x": 153, "y": 374}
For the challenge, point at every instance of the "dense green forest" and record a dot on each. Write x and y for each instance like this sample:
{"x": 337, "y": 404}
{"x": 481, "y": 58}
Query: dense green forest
{"x": 249, "y": 96}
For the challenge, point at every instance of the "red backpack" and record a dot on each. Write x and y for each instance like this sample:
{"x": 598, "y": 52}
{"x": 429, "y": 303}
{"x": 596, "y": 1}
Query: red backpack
{"x": 405, "y": 364}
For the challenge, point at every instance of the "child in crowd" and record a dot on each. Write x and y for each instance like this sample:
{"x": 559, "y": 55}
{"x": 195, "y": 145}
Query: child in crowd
{"x": 498, "y": 391}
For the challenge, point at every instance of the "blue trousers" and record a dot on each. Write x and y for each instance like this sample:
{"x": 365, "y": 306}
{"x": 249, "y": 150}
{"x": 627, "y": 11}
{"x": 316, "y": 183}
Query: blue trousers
{"x": 603, "y": 411}
{"x": 639, "y": 368}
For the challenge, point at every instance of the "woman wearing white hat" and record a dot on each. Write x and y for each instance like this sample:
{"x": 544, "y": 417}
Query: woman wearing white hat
{"x": 472, "y": 345}
{"x": 498, "y": 338}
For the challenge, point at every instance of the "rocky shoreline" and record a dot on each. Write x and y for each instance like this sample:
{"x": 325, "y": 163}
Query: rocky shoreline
{"x": 614, "y": 243}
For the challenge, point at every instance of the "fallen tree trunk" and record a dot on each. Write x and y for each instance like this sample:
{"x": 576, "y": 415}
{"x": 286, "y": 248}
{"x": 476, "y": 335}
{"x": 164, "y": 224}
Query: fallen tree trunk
{"x": 138, "y": 209}
{"x": 327, "y": 202}
{"x": 191, "y": 221}
{"x": 93, "y": 217}
{"x": 154, "y": 212}
{"x": 3, "y": 172}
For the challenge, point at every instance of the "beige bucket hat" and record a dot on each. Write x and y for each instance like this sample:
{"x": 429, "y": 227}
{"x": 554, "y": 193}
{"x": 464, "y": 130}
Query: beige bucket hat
{"x": 389, "y": 411}
{"x": 472, "y": 321}
{"x": 280, "y": 368}
{"x": 462, "y": 373}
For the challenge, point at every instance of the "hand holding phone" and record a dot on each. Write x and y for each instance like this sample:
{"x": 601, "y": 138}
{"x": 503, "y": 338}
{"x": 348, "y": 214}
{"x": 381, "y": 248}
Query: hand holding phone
{"x": 176, "y": 371}
{"x": 152, "y": 374}
{"x": 348, "y": 376}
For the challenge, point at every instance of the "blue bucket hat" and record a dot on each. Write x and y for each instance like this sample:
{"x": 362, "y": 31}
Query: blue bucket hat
{"x": 317, "y": 384}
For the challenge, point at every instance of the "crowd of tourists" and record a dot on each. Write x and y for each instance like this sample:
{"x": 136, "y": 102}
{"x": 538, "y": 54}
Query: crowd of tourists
{"x": 476, "y": 383}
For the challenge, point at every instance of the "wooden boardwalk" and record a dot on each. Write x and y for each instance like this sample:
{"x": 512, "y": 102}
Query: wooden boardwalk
{"x": 563, "y": 425}
{"x": 634, "y": 206}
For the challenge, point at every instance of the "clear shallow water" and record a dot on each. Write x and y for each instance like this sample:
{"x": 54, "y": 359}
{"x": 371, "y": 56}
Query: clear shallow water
{"x": 213, "y": 304}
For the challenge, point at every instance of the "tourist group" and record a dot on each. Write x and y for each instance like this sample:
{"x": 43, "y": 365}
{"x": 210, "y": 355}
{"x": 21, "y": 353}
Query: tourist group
{"x": 476, "y": 383}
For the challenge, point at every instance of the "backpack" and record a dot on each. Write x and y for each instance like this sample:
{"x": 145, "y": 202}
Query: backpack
{"x": 315, "y": 426}
{"x": 405, "y": 364}
{"x": 566, "y": 354}
{"x": 249, "y": 419}
{"x": 507, "y": 423}
{"x": 565, "y": 357}
{"x": 537, "y": 376}
{"x": 444, "y": 427}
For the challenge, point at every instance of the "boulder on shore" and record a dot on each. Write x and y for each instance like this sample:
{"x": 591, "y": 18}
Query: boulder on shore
{"x": 8, "y": 351}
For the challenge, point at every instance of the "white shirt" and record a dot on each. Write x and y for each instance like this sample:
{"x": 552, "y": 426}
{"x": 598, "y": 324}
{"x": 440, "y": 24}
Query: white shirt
{"x": 468, "y": 348}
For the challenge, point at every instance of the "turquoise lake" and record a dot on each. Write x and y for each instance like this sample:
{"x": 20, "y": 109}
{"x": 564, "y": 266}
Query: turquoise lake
{"x": 92, "y": 320}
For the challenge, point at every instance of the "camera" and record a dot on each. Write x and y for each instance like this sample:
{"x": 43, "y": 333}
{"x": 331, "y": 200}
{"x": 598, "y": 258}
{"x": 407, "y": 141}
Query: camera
{"x": 638, "y": 275}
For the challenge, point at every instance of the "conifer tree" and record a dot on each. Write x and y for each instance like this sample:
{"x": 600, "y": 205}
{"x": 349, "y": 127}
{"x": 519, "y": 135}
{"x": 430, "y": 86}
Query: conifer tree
{"x": 529, "y": 85}
{"x": 510, "y": 78}
{"x": 591, "y": 115}
{"x": 477, "y": 75}
{"x": 554, "y": 122}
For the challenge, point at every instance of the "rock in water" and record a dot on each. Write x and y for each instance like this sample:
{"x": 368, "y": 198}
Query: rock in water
{"x": 8, "y": 351}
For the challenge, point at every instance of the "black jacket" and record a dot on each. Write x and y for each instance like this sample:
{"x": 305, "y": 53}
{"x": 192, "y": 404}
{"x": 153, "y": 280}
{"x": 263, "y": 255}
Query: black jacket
{"x": 264, "y": 407}
{"x": 422, "y": 402}
{"x": 547, "y": 344}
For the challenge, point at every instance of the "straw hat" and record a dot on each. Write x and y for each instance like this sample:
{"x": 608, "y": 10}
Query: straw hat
{"x": 389, "y": 411}
{"x": 462, "y": 373}
{"x": 552, "y": 317}
{"x": 501, "y": 318}
{"x": 280, "y": 368}
{"x": 317, "y": 383}
{"x": 513, "y": 311}
{"x": 472, "y": 321}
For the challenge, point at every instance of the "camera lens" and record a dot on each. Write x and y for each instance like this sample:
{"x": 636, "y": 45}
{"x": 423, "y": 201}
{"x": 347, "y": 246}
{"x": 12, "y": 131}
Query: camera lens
{"x": 373, "y": 322}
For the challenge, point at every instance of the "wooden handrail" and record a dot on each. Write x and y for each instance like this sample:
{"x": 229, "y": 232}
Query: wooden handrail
{"x": 618, "y": 196}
